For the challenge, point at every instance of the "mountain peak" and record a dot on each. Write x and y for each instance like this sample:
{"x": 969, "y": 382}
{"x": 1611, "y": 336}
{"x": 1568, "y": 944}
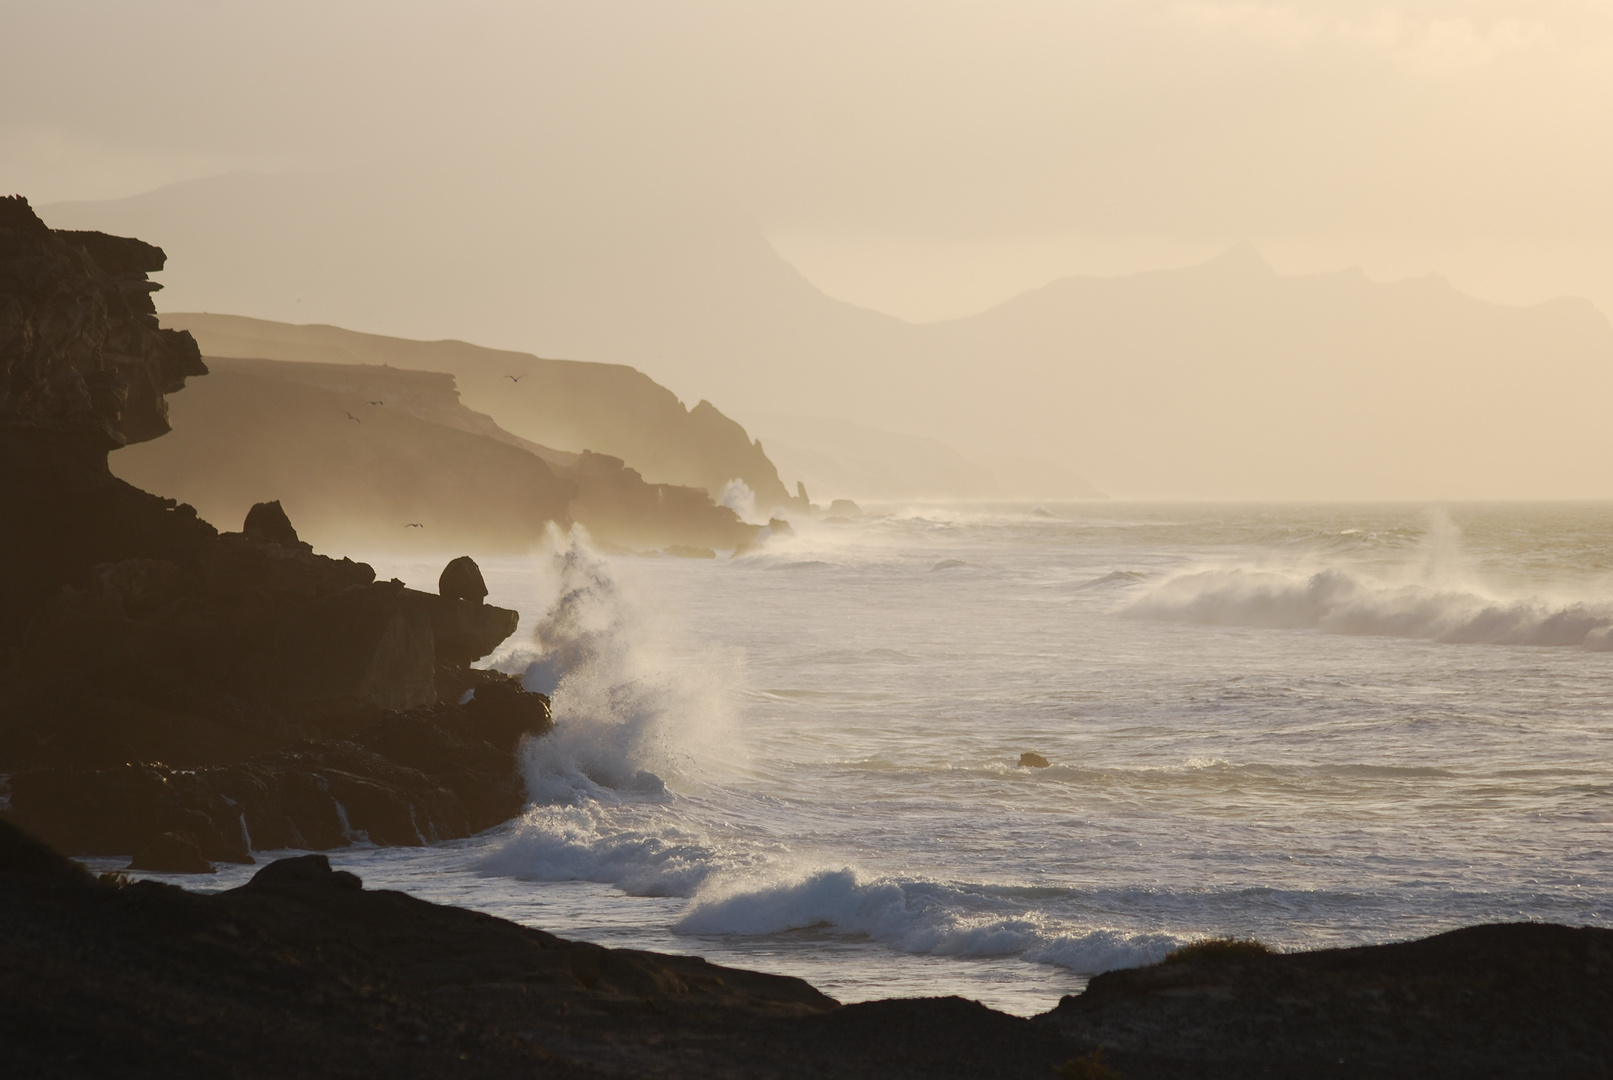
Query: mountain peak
{"x": 1242, "y": 258}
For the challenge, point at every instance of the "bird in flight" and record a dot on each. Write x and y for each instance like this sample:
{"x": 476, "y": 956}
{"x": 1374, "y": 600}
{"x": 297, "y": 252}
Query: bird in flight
{"x": 515, "y": 378}
{"x": 414, "y": 525}
{"x": 377, "y": 403}
{"x": 353, "y": 418}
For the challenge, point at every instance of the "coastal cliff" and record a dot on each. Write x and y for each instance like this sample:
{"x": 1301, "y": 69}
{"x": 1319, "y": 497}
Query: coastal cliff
{"x": 569, "y": 405}
{"x": 170, "y": 690}
{"x": 364, "y": 451}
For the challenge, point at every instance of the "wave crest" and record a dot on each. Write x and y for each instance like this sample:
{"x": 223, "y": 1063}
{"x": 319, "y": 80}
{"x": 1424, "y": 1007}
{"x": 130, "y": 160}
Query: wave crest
{"x": 1341, "y": 602}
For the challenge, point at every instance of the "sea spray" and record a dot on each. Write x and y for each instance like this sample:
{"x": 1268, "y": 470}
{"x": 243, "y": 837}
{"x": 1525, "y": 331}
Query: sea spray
{"x": 627, "y": 712}
{"x": 1437, "y": 595}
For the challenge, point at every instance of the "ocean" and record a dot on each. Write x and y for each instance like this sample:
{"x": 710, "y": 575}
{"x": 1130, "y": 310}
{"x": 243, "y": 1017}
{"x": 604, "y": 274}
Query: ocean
{"x": 1309, "y": 725}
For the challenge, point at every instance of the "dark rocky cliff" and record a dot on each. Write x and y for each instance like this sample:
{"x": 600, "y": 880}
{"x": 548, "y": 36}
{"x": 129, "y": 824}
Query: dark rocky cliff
{"x": 135, "y": 639}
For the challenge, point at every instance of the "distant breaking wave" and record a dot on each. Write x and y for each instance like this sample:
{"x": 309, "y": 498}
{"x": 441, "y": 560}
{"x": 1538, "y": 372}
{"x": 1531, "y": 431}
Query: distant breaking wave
{"x": 1341, "y": 602}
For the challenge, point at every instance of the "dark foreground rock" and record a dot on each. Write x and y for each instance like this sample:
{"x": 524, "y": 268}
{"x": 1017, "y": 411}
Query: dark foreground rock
{"x": 1507, "y": 1000}
{"x": 303, "y": 972}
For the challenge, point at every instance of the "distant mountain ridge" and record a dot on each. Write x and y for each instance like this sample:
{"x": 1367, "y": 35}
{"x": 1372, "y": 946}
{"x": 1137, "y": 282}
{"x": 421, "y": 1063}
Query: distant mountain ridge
{"x": 1223, "y": 380}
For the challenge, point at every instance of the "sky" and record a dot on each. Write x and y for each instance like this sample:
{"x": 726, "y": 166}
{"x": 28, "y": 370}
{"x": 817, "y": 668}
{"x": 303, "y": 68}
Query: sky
{"x": 926, "y": 160}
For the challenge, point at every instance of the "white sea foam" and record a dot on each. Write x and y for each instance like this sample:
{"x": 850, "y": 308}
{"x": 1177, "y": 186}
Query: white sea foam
{"x": 626, "y": 713}
{"x": 913, "y": 916}
{"x": 1436, "y": 596}
{"x": 641, "y": 851}
{"x": 1345, "y": 602}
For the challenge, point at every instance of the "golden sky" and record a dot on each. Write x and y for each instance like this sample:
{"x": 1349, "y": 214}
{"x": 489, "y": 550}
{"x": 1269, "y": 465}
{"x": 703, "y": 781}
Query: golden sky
{"x": 924, "y": 159}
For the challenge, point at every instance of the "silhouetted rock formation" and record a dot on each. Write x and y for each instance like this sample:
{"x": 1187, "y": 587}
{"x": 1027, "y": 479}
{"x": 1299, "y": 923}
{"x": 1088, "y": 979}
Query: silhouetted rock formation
{"x": 268, "y": 522}
{"x": 131, "y": 631}
{"x": 80, "y": 349}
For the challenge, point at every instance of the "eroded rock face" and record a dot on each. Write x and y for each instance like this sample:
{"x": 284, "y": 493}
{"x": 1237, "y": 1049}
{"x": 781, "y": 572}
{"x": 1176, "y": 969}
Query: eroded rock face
{"x": 80, "y": 349}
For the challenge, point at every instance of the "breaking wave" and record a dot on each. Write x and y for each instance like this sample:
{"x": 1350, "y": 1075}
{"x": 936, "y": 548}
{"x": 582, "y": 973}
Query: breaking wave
{"x": 627, "y": 714}
{"x": 1436, "y": 597}
{"x": 915, "y": 917}
{"x": 1342, "y": 602}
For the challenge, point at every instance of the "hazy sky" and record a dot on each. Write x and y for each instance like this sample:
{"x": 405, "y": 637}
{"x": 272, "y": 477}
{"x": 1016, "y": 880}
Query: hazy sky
{"x": 925, "y": 159}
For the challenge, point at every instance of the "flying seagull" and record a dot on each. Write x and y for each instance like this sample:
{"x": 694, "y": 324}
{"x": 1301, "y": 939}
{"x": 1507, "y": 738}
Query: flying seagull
{"x": 377, "y": 403}
{"x": 515, "y": 378}
{"x": 414, "y": 525}
{"x": 353, "y": 418}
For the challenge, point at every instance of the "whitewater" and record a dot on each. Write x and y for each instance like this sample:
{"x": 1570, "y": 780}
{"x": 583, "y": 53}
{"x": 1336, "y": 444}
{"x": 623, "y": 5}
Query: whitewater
{"x": 1313, "y": 726}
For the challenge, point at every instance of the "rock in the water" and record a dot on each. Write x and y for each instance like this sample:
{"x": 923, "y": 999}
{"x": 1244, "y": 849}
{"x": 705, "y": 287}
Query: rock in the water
{"x": 171, "y": 853}
{"x": 462, "y": 580}
{"x": 1028, "y": 760}
{"x": 780, "y": 527}
{"x": 844, "y": 508}
{"x": 267, "y": 521}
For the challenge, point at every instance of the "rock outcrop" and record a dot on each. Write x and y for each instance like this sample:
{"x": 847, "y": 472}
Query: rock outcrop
{"x": 80, "y": 349}
{"x": 163, "y": 685}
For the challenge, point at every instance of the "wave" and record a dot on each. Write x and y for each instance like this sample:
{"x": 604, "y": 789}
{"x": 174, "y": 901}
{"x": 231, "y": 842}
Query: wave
{"x": 914, "y": 917}
{"x": 640, "y": 853}
{"x": 626, "y": 713}
{"x": 1342, "y": 602}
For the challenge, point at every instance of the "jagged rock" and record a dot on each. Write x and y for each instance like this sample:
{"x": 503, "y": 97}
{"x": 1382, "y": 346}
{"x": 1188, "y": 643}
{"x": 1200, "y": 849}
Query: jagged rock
{"x": 267, "y": 521}
{"x": 461, "y": 579}
{"x": 171, "y": 853}
{"x": 1028, "y": 760}
{"x": 80, "y": 349}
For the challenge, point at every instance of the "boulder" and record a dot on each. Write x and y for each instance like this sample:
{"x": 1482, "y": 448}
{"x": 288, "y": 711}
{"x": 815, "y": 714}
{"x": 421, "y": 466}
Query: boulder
{"x": 304, "y": 871}
{"x": 171, "y": 853}
{"x": 267, "y": 522}
{"x": 461, "y": 579}
{"x": 1028, "y": 760}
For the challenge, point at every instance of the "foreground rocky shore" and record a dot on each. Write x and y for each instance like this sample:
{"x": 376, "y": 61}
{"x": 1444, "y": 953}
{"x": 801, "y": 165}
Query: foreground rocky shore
{"x": 303, "y": 972}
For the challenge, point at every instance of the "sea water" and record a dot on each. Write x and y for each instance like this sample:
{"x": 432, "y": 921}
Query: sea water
{"x": 1313, "y": 726}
